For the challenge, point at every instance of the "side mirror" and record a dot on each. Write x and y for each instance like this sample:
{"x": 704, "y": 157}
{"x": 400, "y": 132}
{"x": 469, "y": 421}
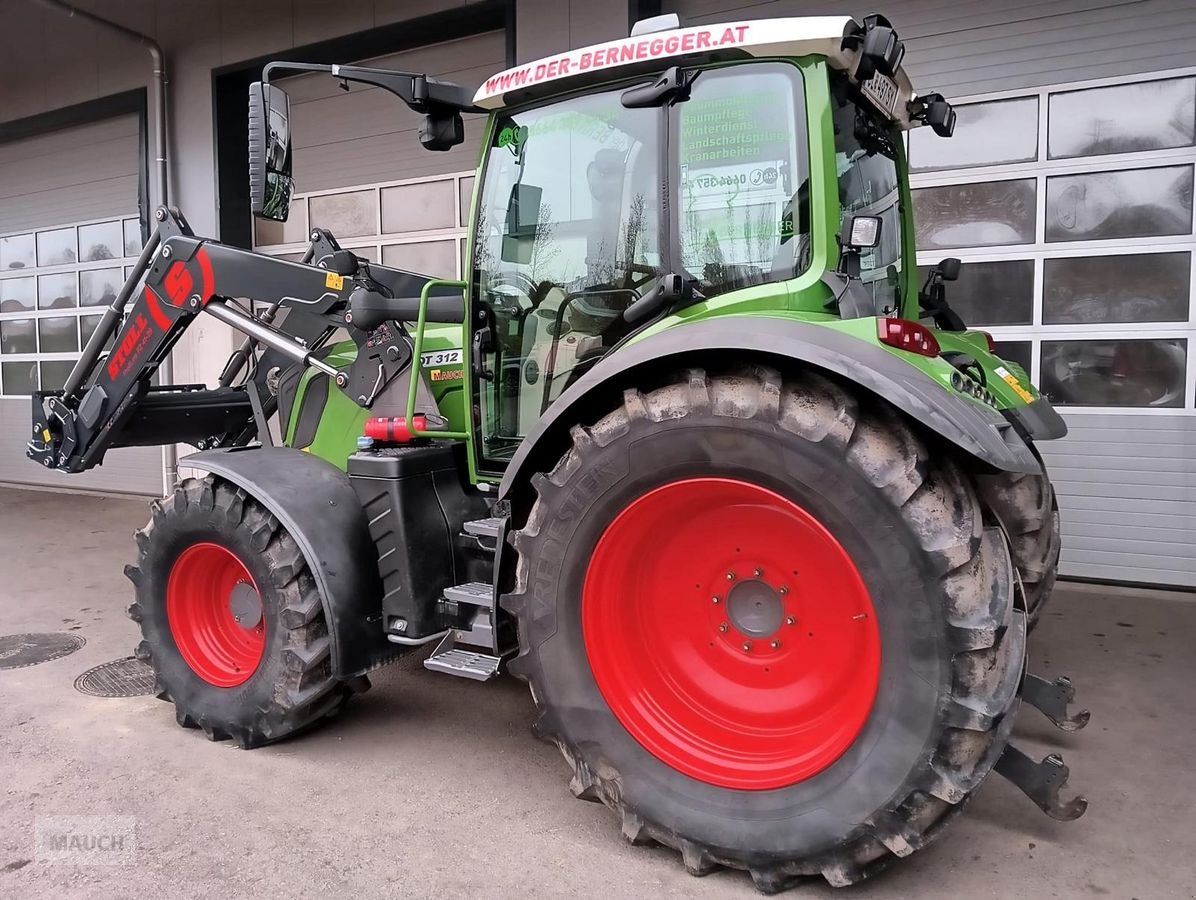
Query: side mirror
{"x": 523, "y": 223}
{"x": 948, "y": 268}
{"x": 270, "y": 182}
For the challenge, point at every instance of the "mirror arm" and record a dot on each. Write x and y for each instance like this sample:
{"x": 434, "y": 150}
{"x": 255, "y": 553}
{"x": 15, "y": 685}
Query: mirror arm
{"x": 421, "y": 93}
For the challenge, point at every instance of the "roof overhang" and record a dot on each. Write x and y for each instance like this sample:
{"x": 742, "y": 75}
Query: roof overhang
{"x": 792, "y": 37}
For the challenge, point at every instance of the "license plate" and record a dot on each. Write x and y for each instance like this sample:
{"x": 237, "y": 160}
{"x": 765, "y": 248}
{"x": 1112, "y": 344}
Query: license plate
{"x": 881, "y": 90}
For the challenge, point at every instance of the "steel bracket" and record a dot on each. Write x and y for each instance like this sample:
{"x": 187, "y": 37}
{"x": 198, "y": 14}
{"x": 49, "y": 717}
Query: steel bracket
{"x": 1052, "y": 699}
{"x": 1041, "y": 782}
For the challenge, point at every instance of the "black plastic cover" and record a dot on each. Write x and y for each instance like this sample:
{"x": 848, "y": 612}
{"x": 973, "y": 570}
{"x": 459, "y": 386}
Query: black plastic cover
{"x": 416, "y": 505}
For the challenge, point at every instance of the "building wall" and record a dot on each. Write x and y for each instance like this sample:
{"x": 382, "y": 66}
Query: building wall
{"x": 49, "y": 61}
{"x": 973, "y": 46}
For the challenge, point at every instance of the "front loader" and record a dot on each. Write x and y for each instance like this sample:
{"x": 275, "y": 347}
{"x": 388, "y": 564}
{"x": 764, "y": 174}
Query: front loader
{"x": 689, "y": 449}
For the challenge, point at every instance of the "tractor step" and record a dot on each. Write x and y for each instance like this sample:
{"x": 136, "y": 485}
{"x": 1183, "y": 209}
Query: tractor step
{"x": 488, "y": 528}
{"x": 452, "y": 660}
{"x": 475, "y": 593}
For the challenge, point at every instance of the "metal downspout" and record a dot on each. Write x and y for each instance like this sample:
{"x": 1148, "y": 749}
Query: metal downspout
{"x": 161, "y": 193}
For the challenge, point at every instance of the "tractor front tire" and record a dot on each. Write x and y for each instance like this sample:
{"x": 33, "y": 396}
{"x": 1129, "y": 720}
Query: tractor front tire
{"x": 231, "y": 618}
{"x": 765, "y": 627}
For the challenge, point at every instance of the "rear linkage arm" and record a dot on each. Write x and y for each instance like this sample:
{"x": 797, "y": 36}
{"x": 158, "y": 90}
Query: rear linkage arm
{"x": 110, "y": 402}
{"x": 1043, "y": 781}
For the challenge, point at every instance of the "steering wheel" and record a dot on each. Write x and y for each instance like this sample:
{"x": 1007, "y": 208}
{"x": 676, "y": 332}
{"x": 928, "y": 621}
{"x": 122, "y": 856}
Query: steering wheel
{"x": 519, "y": 296}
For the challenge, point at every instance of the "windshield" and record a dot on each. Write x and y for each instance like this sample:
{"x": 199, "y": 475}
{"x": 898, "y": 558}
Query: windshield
{"x": 566, "y": 237}
{"x": 866, "y": 166}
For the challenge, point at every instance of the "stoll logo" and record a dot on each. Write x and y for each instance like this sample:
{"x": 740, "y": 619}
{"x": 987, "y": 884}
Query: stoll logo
{"x": 85, "y": 840}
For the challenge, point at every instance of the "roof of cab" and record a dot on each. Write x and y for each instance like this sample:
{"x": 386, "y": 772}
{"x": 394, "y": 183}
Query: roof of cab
{"x": 790, "y": 37}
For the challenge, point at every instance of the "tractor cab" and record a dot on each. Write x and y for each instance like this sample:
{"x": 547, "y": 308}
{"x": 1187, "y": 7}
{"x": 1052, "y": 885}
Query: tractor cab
{"x": 680, "y": 171}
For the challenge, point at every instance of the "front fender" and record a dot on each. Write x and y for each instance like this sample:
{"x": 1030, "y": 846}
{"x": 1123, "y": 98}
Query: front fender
{"x": 316, "y": 503}
{"x": 981, "y": 433}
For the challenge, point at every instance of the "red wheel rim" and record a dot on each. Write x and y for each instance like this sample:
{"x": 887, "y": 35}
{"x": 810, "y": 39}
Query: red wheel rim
{"x": 208, "y": 589}
{"x": 680, "y": 582}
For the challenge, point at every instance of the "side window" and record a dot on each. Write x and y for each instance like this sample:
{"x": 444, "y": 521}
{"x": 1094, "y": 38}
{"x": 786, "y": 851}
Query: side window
{"x": 744, "y": 216}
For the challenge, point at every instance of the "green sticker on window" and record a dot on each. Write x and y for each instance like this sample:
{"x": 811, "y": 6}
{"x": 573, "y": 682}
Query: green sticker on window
{"x": 513, "y": 136}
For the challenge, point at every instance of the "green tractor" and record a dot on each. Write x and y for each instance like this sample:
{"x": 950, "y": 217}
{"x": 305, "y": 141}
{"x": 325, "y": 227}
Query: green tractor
{"x": 690, "y": 450}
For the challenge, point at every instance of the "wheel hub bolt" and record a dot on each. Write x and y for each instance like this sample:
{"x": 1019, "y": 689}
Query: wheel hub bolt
{"x": 716, "y": 599}
{"x": 776, "y": 645}
{"x": 782, "y": 590}
{"x": 723, "y": 628}
{"x": 747, "y": 647}
{"x": 789, "y": 620}
{"x": 730, "y": 576}
{"x": 759, "y": 572}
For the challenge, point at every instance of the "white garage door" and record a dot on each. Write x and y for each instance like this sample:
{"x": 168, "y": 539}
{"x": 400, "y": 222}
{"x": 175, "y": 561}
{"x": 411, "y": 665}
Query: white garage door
{"x": 1072, "y": 209}
{"x": 68, "y": 232}
{"x": 361, "y": 171}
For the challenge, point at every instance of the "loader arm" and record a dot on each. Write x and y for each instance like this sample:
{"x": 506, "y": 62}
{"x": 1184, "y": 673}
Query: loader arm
{"x": 110, "y": 401}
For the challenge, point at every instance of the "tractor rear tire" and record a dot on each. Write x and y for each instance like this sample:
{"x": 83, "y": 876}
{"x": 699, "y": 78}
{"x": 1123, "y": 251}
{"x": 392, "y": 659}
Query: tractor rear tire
{"x": 1029, "y": 513}
{"x": 231, "y": 618}
{"x": 795, "y": 650}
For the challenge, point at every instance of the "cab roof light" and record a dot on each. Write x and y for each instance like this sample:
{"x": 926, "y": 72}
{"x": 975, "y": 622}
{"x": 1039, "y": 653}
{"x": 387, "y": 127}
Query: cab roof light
{"x": 906, "y": 335}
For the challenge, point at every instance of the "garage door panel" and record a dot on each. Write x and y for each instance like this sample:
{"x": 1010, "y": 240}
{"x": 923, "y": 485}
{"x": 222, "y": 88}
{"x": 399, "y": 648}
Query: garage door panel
{"x": 1079, "y": 453}
{"x": 1101, "y": 571}
{"x": 83, "y": 173}
{"x": 54, "y": 181}
{"x": 52, "y": 142}
{"x": 1172, "y": 512}
{"x": 1146, "y": 528}
{"x": 1181, "y": 563}
{"x": 1114, "y": 491}
{"x": 68, "y": 205}
{"x": 91, "y": 164}
{"x": 1162, "y": 472}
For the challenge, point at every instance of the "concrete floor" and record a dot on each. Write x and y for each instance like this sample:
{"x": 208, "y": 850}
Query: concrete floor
{"x": 430, "y": 785}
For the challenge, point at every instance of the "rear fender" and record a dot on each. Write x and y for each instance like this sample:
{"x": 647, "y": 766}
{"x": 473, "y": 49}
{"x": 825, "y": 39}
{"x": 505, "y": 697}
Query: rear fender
{"x": 316, "y": 503}
{"x": 981, "y": 433}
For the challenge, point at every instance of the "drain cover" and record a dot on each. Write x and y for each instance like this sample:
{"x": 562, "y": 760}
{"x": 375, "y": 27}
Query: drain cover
{"x": 20, "y": 650}
{"x": 128, "y": 677}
